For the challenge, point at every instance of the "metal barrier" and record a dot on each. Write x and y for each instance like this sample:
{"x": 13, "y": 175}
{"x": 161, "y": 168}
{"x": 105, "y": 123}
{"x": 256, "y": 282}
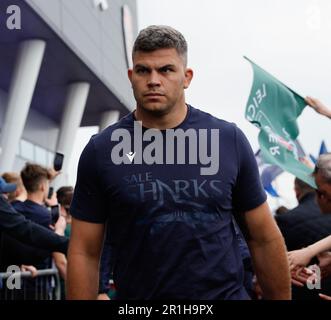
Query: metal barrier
{"x": 45, "y": 286}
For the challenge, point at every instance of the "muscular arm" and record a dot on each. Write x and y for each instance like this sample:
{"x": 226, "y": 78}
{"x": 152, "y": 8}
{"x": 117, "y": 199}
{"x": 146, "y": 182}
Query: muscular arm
{"x": 83, "y": 260}
{"x": 268, "y": 253}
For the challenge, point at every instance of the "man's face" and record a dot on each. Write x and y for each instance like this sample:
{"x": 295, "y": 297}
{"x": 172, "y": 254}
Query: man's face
{"x": 323, "y": 193}
{"x": 158, "y": 80}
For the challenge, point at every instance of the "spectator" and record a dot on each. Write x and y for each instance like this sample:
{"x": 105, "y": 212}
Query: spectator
{"x": 301, "y": 258}
{"x": 36, "y": 181}
{"x": 6, "y": 188}
{"x": 302, "y": 226}
{"x": 20, "y": 193}
{"x": 305, "y": 224}
{"x": 64, "y": 197}
{"x": 15, "y": 224}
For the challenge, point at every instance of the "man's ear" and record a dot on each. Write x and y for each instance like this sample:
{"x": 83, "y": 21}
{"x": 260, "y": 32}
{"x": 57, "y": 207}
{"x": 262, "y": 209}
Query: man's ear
{"x": 43, "y": 186}
{"x": 188, "y": 77}
{"x": 130, "y": 71}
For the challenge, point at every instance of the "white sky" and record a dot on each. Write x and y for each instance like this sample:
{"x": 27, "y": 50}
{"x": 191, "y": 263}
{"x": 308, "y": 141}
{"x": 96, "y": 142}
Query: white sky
{"x": 290, "y": 39}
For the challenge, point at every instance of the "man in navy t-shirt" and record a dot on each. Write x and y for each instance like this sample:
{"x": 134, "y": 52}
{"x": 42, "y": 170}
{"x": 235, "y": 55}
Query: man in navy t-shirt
{"x": 167, "y": 179}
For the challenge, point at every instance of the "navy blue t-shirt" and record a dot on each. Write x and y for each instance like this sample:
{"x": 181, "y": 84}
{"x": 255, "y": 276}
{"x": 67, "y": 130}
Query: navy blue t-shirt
{"x": 34, "y": 211}
{"x": 171, "y": 228}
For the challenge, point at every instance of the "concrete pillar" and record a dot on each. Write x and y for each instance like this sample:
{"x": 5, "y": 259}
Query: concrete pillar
{"x": 21, "y": 91}
{"x": 108, "y": 118}
{"x": 71, "y": 119}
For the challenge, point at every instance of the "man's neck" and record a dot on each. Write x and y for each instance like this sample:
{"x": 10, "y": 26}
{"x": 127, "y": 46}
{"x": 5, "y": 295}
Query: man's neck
{"x": 21, "y": 198}
{"x": 169, "y": 120}
{"x": 36, "y": 197}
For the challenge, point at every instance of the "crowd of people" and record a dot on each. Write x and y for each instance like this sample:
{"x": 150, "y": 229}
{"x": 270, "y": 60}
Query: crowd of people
{"x": 28, "y": 197}
{"x": 166, "y": 231}
{"x": 306, "y": 230}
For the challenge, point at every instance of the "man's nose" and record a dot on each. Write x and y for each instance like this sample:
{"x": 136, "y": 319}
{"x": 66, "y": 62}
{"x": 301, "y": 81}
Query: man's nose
{"x": 154, "y": 79}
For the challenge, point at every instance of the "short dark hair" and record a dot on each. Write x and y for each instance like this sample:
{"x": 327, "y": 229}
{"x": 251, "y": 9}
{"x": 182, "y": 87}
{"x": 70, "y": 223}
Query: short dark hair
{"x": 160, "y": 37}
{"x": 323, "y": 166}
{"x": 13, "y": 177}
{"x": 64, "y": 195}
{"x": 32, "y": 175}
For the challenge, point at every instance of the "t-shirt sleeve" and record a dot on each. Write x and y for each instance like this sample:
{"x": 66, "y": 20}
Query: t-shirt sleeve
{"x": 248, "y": 192}
{"x": 88, "y": 200}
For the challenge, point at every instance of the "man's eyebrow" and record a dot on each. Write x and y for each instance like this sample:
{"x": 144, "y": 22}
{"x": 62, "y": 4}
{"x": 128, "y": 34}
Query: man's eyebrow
{"x": 146, "y": 67}
{"x": 141, "y": 66}
{"x": 167, "y": 66}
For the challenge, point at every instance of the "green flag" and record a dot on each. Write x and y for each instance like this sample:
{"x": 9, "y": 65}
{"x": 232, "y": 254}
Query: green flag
{"x": 274, "y": 109}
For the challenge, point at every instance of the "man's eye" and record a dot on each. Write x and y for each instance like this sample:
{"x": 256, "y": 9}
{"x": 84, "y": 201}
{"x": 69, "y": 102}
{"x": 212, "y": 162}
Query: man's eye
{"x": 166, "y": 70}
{"x": 141, "y": 71}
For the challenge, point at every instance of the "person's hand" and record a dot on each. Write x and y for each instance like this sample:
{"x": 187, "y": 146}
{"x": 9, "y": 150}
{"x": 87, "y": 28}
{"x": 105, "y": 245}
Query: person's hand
{"x": 60, "y": 225}
{"x": 53, "y": 174}
{"x": 52, "y": 201}
{"x": 324, "y": 296}
{"x": 299, "y": 258}
{"x": 306, "y": 161}
{"x": 324, "y": 259}
{"x": 318, "y": 106}
{"x": 32, "y": 269}
{"x": 103, "y": 296}
{"x": 300, "y": 276}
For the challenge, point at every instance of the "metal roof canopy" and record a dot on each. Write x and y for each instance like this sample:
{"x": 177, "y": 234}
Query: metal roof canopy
{"x": 60, "y": 67}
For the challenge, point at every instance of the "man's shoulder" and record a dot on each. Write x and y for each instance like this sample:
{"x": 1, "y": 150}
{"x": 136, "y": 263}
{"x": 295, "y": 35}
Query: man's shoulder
{"x": 18, "y": 205}
{"x": 304, "y": 210}
{"x": 207, "y": 119}
{"x": 4, "y": 205}
{"x": 104, "y": 136}
{"x": 29, "y": 206}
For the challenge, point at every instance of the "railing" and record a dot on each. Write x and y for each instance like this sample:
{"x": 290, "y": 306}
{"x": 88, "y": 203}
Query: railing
{"x": 22, "y": 286}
